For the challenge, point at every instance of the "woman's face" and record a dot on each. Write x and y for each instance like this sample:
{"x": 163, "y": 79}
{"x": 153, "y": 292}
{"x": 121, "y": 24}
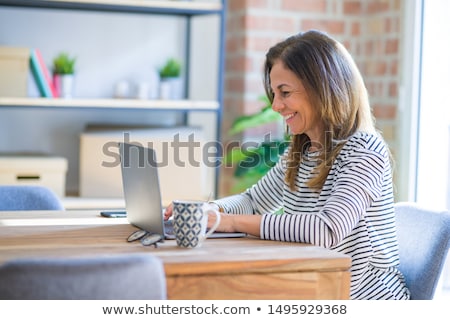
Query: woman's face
{"x": 292, "y": 102}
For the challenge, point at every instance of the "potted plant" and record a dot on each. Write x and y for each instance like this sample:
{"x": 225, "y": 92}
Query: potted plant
{"x": 252, "y": 163}
{"x": 170, "y": 80}
{"x": 63, "y": 74}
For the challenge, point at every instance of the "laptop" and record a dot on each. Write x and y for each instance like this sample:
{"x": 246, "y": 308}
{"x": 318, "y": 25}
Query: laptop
{"x": 143, "y": 202}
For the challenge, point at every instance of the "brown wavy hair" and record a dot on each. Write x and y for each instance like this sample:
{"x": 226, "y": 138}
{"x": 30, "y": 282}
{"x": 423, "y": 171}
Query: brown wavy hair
{"x": 335, "y": 89}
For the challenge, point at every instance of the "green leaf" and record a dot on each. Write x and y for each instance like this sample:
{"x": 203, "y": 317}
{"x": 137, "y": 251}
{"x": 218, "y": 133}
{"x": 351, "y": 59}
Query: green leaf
{"x": 266, "y": 115}
{"x": 171, "y": 69}
{"x": 251, "y": 164}
{"x": 235, "y": 156}
{"x": 64, "y": 64}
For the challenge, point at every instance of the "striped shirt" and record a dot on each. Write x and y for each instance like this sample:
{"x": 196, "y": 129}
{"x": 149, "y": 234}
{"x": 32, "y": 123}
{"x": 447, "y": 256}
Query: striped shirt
{"x": 353, "y": 213}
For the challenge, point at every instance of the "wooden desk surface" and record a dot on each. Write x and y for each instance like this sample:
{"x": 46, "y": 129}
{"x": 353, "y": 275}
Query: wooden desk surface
{"x": 242, "y": 268}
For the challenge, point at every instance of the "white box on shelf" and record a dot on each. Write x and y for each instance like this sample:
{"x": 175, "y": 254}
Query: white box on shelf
{"x": 48, "y": 171}
{"x": 181, "y": 175}
{"x": 14, "y": 67}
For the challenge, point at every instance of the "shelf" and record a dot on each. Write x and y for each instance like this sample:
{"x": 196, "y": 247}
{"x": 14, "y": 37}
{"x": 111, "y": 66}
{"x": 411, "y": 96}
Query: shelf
{"x": 184, "y": 10}
{"x": 187, "y": 105}
{"x": 77, "y": 203}
{"x": 170, "y": 7}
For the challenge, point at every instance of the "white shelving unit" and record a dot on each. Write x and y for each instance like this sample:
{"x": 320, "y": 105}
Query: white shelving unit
{"x": 180, "y": 105}
{"x": 148, "y": 8}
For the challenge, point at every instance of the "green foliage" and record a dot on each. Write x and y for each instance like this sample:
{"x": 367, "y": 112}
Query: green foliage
{"x": 64, "y": 64}
{"x": 266, "y": 115}
{"x": 253, "y": 162}
{"x": 171, "y": 69}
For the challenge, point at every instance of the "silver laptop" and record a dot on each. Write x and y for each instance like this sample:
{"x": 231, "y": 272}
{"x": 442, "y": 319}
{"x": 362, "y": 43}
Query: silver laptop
{"x": 142, "y": 192}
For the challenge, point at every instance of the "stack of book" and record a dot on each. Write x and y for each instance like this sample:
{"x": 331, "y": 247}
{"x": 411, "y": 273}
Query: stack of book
{"x": 42, "y": 75}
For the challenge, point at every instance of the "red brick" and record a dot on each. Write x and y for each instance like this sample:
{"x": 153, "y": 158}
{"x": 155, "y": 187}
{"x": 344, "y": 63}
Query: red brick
{"x": 375, "y": 88}
{"x": 305, "y": 5}
{"x": 391, "y": 46}
{"x": 263, "y": 22}
{"x": 236, "y": 23}
{"x": 348, "y": 45}
{"x": 371, "y": 35}
{"x": 284, "y": 24}
{"x": 257, "y": 22}
{"x": 388, "y": 25}
{"x": 236, "y": 5}
{"x": 239, "y": 64}
{"x": 232, "y": 108}
{"x": 352, "y": 7}
{"x": 236, "y": 84}
{"x": 381, "y": 68}
{"x": 333, "y": 27}
{"x": 235, "y": 44}
{"x": 256, "y": 3}
{"x": 394, "y": 68}
{"x": 393, "y": 89}
{"x": 385, "y": 111}
{"x": 259, "y": 43}
{"x": 355, "y": 29}
{"x": 377, "y": 6}
{"x": 374, "y": 47}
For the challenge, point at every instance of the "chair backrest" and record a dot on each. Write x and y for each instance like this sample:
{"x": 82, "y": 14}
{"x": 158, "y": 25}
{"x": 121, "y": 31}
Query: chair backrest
{"x": 28, "y": 197}
{"x": 424, "y": 240}
{"x": 117, "y": 277}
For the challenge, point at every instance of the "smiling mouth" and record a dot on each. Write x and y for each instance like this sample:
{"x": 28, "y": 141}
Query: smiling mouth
{"x": 289, "y": 116}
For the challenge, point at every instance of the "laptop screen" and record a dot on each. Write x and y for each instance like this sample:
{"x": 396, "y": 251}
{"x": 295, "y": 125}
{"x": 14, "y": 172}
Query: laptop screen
{"x": 141, "y": 187}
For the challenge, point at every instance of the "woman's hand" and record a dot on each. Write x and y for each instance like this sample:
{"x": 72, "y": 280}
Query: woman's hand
{"x": 226, "y": 222}
{"x": 168, "y": 212}
{"x": 236, "y": 223}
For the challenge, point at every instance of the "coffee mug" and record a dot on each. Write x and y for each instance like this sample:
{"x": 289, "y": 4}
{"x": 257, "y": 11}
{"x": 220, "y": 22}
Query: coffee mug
{"x": 190, "y": 222}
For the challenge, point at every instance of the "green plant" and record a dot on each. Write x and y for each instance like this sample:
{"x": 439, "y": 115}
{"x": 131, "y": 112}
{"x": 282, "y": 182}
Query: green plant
{"x": 64, "y": 64}
{"x": 171, "y": 69}
{"x": 252, "y": 163}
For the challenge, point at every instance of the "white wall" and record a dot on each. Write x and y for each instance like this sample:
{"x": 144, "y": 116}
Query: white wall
{"x": 109, "y": 47}
{"x": 409, "y": 89}
{"x": 433, "y": 174}
{"x": 434, "y": 116}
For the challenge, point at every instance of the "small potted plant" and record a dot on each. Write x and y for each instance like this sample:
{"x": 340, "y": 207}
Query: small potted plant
{"x": 63, "y": 74}
{"x": 170, "y": 80}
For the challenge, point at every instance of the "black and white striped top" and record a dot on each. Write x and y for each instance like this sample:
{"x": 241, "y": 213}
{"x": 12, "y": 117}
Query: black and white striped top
{"x": 352, "y": 214}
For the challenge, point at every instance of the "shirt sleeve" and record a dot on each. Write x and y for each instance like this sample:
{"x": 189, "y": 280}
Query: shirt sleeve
{"x": 356, "y": 181}
{"x": 266, "y": 196}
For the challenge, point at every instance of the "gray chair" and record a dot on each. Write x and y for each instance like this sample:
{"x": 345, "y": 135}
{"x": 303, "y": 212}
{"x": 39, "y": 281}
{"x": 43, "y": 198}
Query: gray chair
{"x": 424, "y": 240}
{"x": 117, "y": 277}
{"x": 28, "y": 197}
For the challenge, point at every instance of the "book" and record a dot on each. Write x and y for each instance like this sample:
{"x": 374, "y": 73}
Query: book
{"x": 38, "y": 73}
{"x": 46, "y": 73}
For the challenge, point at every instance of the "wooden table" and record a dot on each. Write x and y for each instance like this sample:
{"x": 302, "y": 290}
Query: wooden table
{"x": 243, "y": 268}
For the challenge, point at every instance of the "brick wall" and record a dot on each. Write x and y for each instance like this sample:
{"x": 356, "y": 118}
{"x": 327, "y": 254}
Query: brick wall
{"x": 370, "y": 29}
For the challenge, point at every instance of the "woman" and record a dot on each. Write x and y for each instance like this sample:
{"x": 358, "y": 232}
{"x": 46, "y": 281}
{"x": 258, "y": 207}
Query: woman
{"x": 334, "y": 184}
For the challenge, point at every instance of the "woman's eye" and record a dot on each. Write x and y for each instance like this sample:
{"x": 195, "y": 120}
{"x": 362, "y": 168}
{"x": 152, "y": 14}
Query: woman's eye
{"x": 285, "y": 93}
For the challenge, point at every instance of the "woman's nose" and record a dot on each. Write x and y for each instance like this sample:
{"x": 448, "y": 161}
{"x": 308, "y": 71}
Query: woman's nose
{"x": 277, "y": 106}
